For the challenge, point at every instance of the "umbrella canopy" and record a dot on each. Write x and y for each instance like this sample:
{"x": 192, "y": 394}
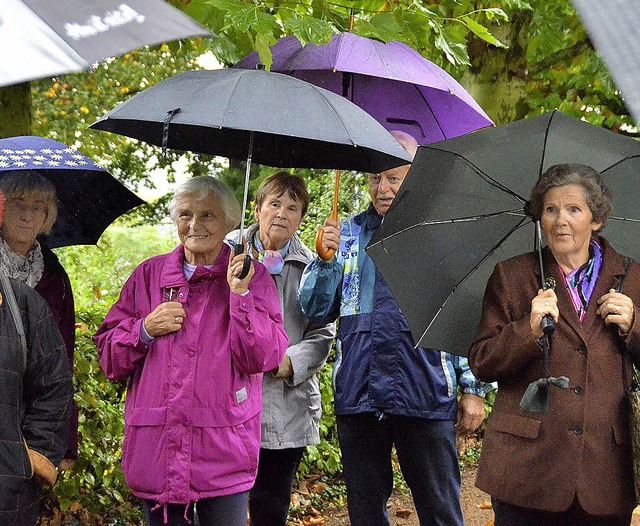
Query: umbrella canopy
{"x": 461, "y": 210}
{"x": 392, "y": 82}
{"x": 292, "y": 123}
{"x": 49, "y": 38}
{"x": 89, "y": 198}
{"x": 272, "y": 119}
{"x": 613, "y": 28}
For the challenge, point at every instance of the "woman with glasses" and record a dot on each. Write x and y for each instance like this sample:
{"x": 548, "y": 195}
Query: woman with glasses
{"x": 30, "y": 211}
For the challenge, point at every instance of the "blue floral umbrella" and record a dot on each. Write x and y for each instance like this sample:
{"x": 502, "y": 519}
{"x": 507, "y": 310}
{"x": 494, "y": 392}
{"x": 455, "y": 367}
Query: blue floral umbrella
{"x": 89, "y": 198}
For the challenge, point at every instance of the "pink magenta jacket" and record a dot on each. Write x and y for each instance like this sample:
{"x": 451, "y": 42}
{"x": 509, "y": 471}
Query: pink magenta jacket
{"x": 193, "y": 406}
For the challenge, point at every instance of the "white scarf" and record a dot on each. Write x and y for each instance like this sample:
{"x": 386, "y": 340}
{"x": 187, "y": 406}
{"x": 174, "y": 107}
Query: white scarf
{"x": 27, "y": 269}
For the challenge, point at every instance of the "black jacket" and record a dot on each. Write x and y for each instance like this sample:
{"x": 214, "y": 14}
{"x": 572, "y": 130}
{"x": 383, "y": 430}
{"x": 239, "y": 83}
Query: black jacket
{"x": 35, "y": 403}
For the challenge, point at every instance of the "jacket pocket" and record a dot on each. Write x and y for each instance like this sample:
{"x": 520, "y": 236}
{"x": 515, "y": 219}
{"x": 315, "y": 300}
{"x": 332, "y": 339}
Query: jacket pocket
{"x": 516, "y": 425}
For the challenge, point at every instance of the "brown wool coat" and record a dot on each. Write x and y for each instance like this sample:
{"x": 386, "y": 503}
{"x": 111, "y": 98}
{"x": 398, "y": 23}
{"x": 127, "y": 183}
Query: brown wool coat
{"x": 581, "y": 446}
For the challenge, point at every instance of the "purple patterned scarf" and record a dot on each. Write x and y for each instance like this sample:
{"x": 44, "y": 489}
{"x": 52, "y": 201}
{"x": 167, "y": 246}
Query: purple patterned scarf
{"x": 581, "y": 281}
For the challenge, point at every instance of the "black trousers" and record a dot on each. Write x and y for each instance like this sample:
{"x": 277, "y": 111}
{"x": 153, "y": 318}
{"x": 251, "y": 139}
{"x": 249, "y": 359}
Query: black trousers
{"x": 271, "y": 494}
{"x": 228, "y": 510}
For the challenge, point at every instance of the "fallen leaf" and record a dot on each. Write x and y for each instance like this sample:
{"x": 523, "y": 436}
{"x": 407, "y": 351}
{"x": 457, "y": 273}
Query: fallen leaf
{"x": 485, "y": 505}
{"x": 313, "y": 521}
{"x": 403, "y": 512}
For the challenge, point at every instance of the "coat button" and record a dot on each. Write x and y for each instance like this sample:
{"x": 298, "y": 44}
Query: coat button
{"x": 577, "y": 431}
{"x": 583, "y": 349}
{"x": 578, "y": 390}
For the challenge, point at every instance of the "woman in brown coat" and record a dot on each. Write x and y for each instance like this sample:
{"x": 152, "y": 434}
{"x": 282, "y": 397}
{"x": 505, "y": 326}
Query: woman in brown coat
{"x": 570, "y": 465}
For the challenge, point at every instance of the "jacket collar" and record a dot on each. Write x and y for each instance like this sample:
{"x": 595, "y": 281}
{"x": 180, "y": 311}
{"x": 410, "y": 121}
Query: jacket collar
{"x": 173, "y": 273}
{"x": 610, "y": 273}
{"x": 297, "y": 250}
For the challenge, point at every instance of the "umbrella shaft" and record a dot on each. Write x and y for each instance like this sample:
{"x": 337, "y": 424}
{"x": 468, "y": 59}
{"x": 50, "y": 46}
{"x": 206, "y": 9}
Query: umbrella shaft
{"x": 245, "y": 195}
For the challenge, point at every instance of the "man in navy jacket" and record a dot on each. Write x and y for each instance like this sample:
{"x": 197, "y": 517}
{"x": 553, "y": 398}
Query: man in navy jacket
{"x": 388, "y": 393}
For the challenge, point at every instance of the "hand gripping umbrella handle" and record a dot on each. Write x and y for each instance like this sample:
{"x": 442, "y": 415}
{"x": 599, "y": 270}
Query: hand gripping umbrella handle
{"x": 238, "y": 248}
{"x": 547, "y": 324}
{"x": 326, "y": 255}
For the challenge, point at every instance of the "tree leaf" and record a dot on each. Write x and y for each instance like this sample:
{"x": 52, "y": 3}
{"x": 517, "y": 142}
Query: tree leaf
{"x": 482, "y": 32}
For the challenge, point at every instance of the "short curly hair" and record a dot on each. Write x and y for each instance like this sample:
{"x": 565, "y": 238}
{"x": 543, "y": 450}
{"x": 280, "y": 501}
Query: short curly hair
{"x": 283, "y": 182}
{"x": 598, "y": 196}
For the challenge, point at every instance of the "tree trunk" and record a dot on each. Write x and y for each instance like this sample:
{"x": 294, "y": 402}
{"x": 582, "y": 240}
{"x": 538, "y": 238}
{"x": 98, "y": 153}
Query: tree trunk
{"x": 497, "y": 76}
{"x": 15, "y": 110}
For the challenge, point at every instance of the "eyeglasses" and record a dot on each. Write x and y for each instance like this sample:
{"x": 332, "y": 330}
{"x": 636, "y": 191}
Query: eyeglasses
{"x": 19, "y": 206}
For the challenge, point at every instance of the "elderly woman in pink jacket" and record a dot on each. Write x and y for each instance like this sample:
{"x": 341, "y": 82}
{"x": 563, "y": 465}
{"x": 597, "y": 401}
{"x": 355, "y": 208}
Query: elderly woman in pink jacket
{"x": 193, "y": 340}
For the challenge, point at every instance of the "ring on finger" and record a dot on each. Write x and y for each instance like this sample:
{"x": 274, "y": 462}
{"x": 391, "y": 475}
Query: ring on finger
{"x": 176, "y": 319}
{"x": 615, "y": 310}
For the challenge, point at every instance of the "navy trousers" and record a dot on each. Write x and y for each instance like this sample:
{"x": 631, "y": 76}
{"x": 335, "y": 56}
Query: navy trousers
{"x": 270, "y": 496}
{"x": 428, "y": 460}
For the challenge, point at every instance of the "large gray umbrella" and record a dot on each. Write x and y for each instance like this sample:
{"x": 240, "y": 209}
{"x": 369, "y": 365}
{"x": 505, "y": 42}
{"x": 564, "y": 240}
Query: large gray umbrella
{"x": 255, "y": 115}
{"x": 46, "y": 38}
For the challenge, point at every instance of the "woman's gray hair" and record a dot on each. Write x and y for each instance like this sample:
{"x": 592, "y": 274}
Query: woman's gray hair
{"x": 29, "y": 183}
{"x": 204, "y": 186}
{"x": 598, "y": 196}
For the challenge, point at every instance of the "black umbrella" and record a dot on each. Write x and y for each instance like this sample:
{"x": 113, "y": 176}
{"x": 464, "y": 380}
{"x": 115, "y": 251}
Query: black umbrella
{"x": 461, "y": 210}
{"x": 89, "y": 198}
{"x": 269, "y": 118}
{"x": 53, "y": 37}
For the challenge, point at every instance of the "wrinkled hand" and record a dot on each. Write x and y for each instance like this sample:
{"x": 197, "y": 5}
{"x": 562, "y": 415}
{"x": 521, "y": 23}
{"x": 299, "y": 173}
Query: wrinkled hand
{"x": 546, "y": 302}
{"x": 239, "y": 286}
{"x": 470, "y": 414}
{"x": 331, "y": 236}
{"x": 285, "y": 370}
{"x": 618, "y": 309}
{"x": 165, "y": 318}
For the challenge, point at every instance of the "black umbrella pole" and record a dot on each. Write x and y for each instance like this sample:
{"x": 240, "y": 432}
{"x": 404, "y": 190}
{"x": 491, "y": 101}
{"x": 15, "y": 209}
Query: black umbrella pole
{"x": 548, "y": 327}
{"x": 239, "y": 246}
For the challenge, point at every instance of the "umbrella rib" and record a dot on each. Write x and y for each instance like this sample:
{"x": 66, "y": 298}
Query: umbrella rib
{"x": 475, "y": 267}
{"x": 484, "y": 176}
{"x": 544, "y": 143}
{"x": 619, "y": 162}
{"x": 517, "y": 212}
{"x": 431, "y": 110}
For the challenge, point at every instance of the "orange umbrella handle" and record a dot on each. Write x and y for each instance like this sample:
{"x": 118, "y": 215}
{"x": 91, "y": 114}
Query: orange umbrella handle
{"x": 327, "y": 255}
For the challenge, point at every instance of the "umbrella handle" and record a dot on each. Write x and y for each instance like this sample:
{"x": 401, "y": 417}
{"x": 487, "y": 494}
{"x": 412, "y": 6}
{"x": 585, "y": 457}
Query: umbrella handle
{"x": 327, "y": 255}
{"x": 238, "y": 248}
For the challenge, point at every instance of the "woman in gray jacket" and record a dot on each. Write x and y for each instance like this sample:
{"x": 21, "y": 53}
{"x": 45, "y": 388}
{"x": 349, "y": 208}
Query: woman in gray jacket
{"x": 291, "y": 394}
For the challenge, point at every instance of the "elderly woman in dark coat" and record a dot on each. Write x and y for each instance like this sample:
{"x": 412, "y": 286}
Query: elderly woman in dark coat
{"x": 35, "y": 402}
{"x": 31, "y": 211}
{"x": 572, "y": 464}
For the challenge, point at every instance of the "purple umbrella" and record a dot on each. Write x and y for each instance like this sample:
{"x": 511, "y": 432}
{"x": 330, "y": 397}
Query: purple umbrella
{"x": 392, "y": 82}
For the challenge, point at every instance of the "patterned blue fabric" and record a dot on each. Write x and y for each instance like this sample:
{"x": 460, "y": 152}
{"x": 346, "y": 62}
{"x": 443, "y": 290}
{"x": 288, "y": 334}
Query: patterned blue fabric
{"x": 38, "y": 153}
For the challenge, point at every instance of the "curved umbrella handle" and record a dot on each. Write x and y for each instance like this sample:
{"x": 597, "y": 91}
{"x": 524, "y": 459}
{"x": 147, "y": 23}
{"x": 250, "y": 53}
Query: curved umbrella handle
{"x": 327, "y": 255}
{"x": 246, "y": 264}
